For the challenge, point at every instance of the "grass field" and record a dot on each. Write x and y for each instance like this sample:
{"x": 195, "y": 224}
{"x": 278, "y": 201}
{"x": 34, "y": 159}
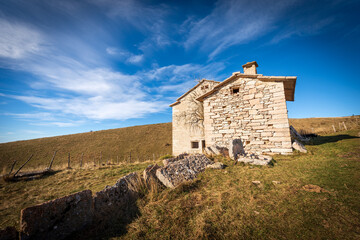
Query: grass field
{"x": 225, "y": 204}
{"x": 142, "y": 142}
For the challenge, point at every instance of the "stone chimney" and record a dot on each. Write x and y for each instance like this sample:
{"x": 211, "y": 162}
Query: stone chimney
{"x": 250, "y": 67}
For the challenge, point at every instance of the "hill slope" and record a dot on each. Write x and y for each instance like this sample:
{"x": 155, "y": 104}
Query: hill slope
{"x": 144, "y": 142}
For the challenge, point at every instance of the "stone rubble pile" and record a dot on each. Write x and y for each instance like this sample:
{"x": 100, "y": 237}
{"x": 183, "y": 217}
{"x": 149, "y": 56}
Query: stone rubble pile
{"x": 182, "y": 170}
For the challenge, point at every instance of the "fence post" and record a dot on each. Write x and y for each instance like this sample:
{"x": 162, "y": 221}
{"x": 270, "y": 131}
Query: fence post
{"x": 81, "y": 162}
{"x": 344, "y": 126}
{"x": 334, "y": 128}
{"x": 69, "y": 161}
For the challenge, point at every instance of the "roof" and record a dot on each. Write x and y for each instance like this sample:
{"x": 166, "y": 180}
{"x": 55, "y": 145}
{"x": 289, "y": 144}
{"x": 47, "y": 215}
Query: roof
{"x": 200, "y": 82}
{"x": 289, "y": 83}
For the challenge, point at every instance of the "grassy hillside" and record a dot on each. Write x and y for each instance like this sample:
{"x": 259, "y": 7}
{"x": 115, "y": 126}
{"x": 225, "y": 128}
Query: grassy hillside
{"x": 225, "y": 204}
{"x": 144, "y": 142}
{"x": 325, "y": 125}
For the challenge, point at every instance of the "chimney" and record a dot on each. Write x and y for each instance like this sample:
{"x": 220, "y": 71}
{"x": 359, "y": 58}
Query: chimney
{"x": 250, "y": 67}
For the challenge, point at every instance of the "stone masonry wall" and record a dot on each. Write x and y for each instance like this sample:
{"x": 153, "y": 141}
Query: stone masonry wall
{"x": 183, "y": 132}
{"x": 257, "y": 115}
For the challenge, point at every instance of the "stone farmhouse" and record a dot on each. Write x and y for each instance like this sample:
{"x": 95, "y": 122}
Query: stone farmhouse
{"x": 247, "y": 110}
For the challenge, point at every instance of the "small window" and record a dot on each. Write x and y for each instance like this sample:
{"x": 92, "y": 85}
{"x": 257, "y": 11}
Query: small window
{"x": 235, "y": 90}
{"x": 194, "y": 144}
{"x": 203, "y": 144}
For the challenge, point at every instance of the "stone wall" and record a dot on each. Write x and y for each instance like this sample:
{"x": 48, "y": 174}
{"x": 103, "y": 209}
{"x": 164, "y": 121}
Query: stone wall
{"x": 256, "y": 114}
{"x": 185, "y": 115}
{"x": 69, "y": 215}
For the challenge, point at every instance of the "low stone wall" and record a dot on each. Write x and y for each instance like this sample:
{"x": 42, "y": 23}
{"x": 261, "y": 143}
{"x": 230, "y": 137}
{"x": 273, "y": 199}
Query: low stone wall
{"x": 62, "y": 217}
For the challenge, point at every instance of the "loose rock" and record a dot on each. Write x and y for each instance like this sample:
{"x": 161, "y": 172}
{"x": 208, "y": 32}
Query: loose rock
{"x": 254, "y": 159}
{"x": 182, "y": 170}
{"x": 217, "y": 165}
{"x": 299, "y": 146}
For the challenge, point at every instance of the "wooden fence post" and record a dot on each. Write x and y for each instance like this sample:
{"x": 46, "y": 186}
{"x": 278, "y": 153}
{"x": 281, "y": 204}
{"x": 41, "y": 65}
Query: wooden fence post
{"x": 52, "y": 160}
{"x": 117, "y": 160}
{"x": 23, "y": 165}
{"x": 69, "y": 161}
{"x": 81, "y": 161}
{"x": 334, "y": 128}
{"x": 12, "y": 167}
{"x": 344, "y": 126}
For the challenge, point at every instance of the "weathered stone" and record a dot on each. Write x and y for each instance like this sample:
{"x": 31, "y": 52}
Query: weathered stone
{"x": 118, "y": 201}
{"x": 9, "y": 233}
{"x": 150, "y": 172}
{"x": 254, "y": 159}
{"x": 216, "y": 150}
{"x": 170, "y": 160}
{"x": 217, "y": 165}
{"x": 57, "y": 219}
{"x": 297, "y": 136}
{"x": 235, "y": 148}
{"x": 183, "y": 170}
{"x": 299, "y": 146}
{"x": 276, "y": 182}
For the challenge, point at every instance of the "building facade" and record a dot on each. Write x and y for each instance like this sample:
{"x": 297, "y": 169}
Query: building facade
{"x": 247, "y": 107}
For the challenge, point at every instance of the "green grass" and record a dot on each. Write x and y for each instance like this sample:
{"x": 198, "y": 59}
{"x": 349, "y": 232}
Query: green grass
{"x": 224, "y": 204}
{"x": 220, "y": 204}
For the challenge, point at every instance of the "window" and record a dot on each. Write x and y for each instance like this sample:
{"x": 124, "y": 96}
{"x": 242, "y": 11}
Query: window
{"x": 203, "y": 144}
{"x": 194, "y": 144}
{"x": 235, "y": 90}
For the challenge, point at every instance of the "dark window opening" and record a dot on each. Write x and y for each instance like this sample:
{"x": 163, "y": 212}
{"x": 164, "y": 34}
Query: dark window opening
{"x": 203, "y": 143}
{"x": 235, "y": 90}
{"x": 194, "y": 144}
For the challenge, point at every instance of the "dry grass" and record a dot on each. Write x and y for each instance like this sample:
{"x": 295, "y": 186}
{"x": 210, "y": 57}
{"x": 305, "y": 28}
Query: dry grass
{"x": 144, "y": 143}
{"x": 224, "y": 204}
{"x": 17, "y": 195}
{"x": 325, "y": 125}
{"x": 220, "y": 204}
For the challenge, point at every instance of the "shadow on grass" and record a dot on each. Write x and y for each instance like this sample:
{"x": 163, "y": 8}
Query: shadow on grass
{"x": 329, "y": 139}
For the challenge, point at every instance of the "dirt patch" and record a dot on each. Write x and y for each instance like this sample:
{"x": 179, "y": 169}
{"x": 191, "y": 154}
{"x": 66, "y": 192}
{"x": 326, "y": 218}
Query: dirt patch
{"x": 314, "y": 188}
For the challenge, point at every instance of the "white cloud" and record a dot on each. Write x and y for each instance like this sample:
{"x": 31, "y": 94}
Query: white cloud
{"x": 134, "y": 59}
{"x": 18, "y": 40}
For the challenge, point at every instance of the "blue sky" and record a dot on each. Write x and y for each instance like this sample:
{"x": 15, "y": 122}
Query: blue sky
{"x": 75, "y": 66}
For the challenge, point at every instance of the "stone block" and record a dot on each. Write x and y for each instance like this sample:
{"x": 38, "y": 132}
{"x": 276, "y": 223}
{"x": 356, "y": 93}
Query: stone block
{"x": 183, "y": 170}
{"x": 299, "y": 146}
{"x": 117, "y": 201}
{"x": 59, "y": 218}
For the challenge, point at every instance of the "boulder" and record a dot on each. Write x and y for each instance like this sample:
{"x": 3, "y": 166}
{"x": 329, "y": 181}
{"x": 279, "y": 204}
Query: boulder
{"x": 182, "y": 170}
{"x": 57, "y": 219}
{"x": 236, "y": 148}
{"x": 254, "y": 159}
{"x": 117, "y": 202}
{"x": 216, "y": 150}
{"x": 150, "y": 172}
{"x": 170, "y": 160}
{"x": 299, "y": 146}
{"x": 217, "y": 165}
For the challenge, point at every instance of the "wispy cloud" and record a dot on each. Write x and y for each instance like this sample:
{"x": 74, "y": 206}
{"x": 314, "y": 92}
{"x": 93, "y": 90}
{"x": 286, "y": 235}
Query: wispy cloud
{"x": 233, "y": 22}
{"x": 18, "y": 40}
